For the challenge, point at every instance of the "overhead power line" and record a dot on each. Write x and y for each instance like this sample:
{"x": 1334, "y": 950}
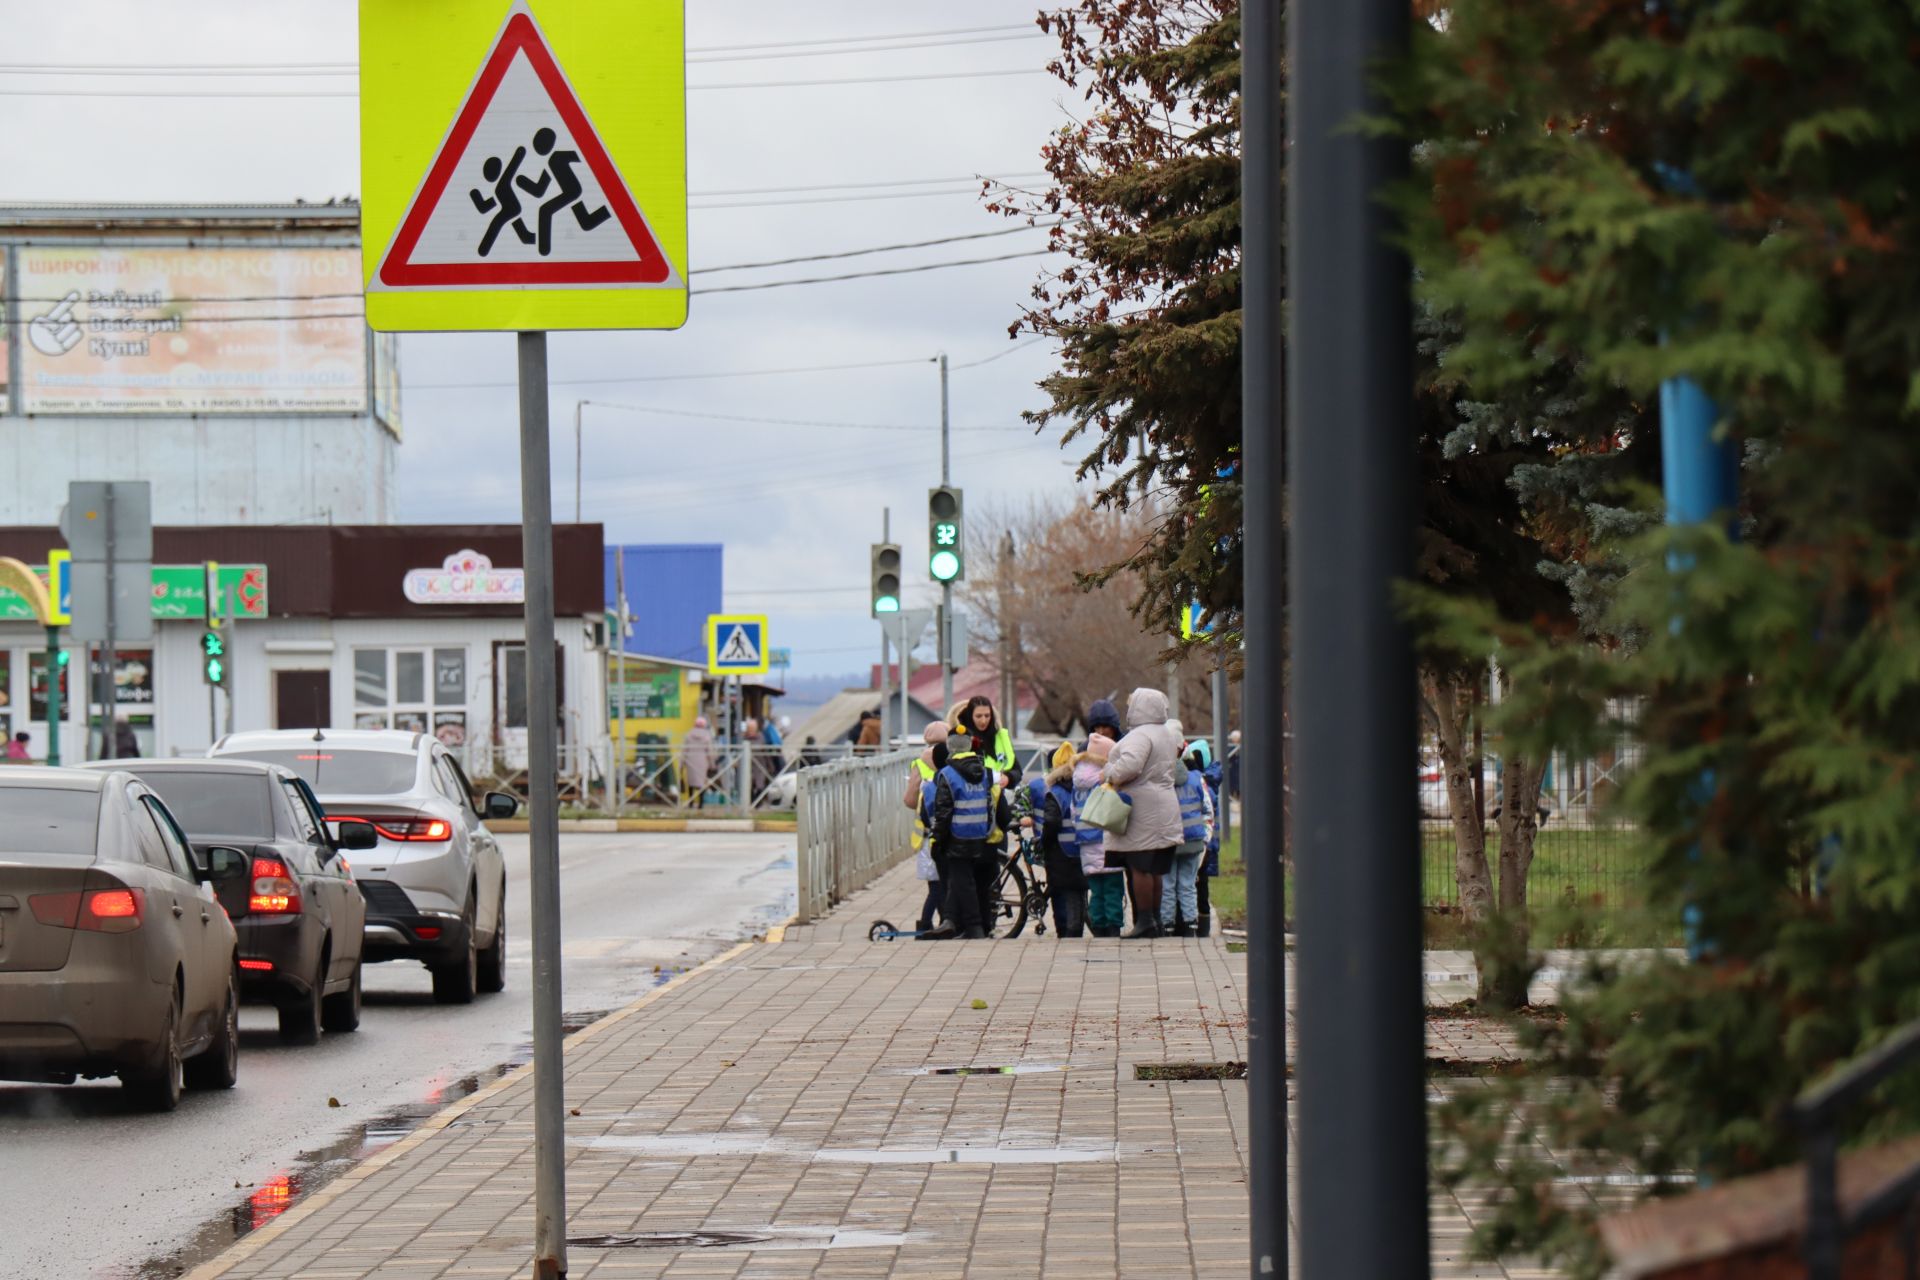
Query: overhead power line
{"x": 920, "y": 78}
{"x": 863, "y": 186}
{"x": 906, "y": 35}
{"x": 675, "y": 411}
{"x": 343, "y": 67}
{"x": 884, "y": 248}
{"x": 867, "y": 275}
{"x": 673, "y": 377}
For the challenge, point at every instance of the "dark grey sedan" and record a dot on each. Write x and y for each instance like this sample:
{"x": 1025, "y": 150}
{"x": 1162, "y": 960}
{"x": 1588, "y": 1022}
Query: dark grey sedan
{"x": 116, "y": 958}
{"x": 297, "y": 910}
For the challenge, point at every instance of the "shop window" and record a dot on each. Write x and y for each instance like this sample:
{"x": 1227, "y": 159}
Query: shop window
{"x": 391, "y": 690}
{"x": 123, "y": 703}
{"x": 510, "y": 684}
{"x": 37, "y": 686}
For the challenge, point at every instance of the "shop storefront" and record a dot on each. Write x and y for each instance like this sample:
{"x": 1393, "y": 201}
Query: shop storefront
{"x": 410, "y": 627}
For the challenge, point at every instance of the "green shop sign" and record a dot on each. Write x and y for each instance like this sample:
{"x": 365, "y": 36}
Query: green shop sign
{"x": 180, "y": 591}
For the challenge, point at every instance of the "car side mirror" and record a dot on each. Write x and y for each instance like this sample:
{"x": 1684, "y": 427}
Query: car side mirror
{"x": 351, "y": 835}
{"x": 218, "y": 862}
{"x": 498, "y": 804}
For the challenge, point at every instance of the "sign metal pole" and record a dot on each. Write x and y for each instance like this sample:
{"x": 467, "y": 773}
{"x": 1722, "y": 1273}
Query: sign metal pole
{"x": 108, "y": 691}
{"x": 543, "y": 764}
{"x": 620, "y": 668}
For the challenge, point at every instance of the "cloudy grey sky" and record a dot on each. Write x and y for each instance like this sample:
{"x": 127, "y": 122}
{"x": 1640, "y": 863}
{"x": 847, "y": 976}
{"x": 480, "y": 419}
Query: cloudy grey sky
{"x": 774, "y": 172}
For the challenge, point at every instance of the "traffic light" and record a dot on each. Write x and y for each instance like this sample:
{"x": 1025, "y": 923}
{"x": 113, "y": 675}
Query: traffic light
{"x": 946, "y": 544}
{"x": 886, "y": 578}
{"x": 213, "y": 658}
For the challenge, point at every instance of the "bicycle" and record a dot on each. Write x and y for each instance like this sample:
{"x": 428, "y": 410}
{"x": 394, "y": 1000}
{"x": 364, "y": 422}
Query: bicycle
{"x": 1020, "y": 889}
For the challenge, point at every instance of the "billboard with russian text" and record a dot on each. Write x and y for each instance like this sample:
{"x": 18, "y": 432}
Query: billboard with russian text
{"x": 142, "y": 330}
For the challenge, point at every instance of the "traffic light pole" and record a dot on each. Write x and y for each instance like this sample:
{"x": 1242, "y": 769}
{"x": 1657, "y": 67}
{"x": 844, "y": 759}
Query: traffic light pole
{"x": 886, "y": 698}
{"x": 213, "y": 694}
{"x": 54, "y": 708}
{"x": 946, "y": 588}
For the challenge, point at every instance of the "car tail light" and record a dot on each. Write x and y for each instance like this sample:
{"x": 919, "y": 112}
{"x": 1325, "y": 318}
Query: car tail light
{"x": 427, "y": 932}
{"x": 404, "y": 827}
{"x": 275, "y": 892}
{"x": 101, "y": 911}
{"x": 257, "y": 966}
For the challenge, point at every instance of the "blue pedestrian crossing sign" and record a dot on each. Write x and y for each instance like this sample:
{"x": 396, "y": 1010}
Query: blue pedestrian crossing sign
{"x": 737, "y": 644}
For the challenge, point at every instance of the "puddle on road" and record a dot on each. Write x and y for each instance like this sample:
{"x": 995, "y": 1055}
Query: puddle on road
{"x": 757, "y": 1239}
{"x": 743, "y": 1144}
{"x": 1016, "y": 1069}
{"x": 312, "y": 1170}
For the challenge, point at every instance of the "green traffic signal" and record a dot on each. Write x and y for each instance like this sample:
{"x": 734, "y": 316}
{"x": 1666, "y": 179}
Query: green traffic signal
{"x": 946, "y": 544}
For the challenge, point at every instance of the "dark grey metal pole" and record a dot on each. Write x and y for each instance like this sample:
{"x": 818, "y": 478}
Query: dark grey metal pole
{"x": 1363, "y": 1168}
{"x": 543, "y": 813}
{"x": 109, "y": 691}
{"x": 1262, "y": 762}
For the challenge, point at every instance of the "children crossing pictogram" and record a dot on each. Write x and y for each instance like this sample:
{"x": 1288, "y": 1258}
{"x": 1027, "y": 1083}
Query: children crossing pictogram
{"x": 544, "y": 204}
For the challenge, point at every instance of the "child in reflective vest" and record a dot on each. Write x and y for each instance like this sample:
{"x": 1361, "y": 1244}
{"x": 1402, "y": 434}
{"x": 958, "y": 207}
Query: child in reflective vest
{"x": 969, "y": 810}
{"x": 929, "y": 858}
{"x": 1106, "y": 886}
{"x": 1060, "y": 843}
{"x": 1180, "y": 906}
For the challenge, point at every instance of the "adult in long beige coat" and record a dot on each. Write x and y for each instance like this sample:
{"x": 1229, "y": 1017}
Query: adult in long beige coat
{"x": 1144, "y": 764}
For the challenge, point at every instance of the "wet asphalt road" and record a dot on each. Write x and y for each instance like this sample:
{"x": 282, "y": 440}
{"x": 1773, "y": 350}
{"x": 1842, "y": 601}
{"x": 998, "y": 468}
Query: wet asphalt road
{"x": 89, "y": 1189}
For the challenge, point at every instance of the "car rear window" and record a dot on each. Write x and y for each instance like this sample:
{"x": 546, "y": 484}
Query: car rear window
{"x": 47, "y": 820}
{"x": 345, "y": 773}
{"x": 215, "y": 804}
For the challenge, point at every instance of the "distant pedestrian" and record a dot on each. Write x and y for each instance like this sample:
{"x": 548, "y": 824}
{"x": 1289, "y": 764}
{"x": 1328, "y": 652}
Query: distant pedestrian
{"x": 967, "y": 809}
{"x": 1200, "y": 758}
{"x": 869, "y": 740}
{"x": 930, "y": 863}
{"x": 1106, "y": 889}
{"x": 1180, "y": 900}
{"x": 1060, "y": 847}
{"x": 1143, "y": 763}
{"x": 126, "y": 745}
{"x": 1103, "y": 719}
{"x": 696, "y": 761}
{"x": 811, "y": 754}
{"x": 1233, "y": 765}
{"x": 17, "y": 748}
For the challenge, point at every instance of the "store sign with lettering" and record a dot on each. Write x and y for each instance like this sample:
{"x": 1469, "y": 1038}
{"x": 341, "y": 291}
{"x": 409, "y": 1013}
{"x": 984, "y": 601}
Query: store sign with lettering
{"x": 180, "y": 591}
{"x": 466, "y": 577}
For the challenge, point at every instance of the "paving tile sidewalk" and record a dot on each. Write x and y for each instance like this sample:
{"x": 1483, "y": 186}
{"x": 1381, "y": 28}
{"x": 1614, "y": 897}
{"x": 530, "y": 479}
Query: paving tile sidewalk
{"x": 776, "y": 1094}
{"x": 788, "y": 1093}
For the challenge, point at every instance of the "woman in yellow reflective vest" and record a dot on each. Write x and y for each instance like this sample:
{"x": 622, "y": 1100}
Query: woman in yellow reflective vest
{"x": 992, "y": 742}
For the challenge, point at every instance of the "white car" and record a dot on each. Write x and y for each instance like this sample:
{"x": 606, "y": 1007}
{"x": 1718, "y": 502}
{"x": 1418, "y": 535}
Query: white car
{"x": 1433, "y": 788}
{"x": 435, "y": 883}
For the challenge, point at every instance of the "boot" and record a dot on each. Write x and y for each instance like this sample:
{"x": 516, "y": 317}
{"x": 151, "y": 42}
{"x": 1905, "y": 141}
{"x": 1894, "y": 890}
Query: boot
{"x": 1182, "y": 929}
{"x": 1145, "y": 928}
{"x": 1205, "y": 928}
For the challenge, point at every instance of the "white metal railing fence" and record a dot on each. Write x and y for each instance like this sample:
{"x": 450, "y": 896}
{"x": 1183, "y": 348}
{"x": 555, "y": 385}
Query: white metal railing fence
{"x": 852, "y": 826}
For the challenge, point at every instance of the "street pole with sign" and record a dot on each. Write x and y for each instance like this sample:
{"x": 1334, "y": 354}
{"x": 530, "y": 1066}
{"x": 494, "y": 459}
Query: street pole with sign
{"x": 603, "y": 85}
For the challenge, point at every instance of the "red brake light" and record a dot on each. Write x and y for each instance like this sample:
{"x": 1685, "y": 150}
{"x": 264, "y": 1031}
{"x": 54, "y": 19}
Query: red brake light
{"x": 275, "y": 891}
{"x": 102, "y": 911}
{"x": 427, "y": 932}
{"x": 258, "y": 966}
{"x": 113, "y": 904}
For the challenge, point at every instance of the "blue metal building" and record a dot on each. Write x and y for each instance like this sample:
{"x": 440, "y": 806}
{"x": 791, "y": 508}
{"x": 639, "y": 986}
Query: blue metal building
{"x": 671, "y": 588}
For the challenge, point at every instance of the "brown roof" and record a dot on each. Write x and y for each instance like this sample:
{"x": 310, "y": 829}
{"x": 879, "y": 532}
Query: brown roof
{"x": 356, "y": 571}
